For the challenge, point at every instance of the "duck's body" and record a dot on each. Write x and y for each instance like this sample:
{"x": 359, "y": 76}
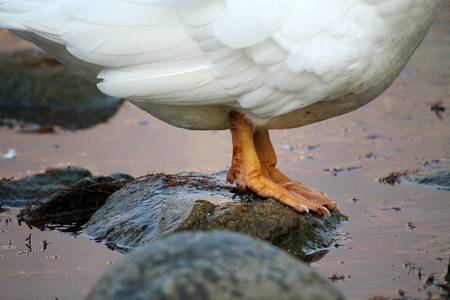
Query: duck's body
{"x": 190, "y": 63}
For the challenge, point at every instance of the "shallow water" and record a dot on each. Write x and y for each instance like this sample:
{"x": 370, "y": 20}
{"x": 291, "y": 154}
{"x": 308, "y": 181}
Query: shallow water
{"x": 66, "y": 269}
{"x": 393, "y": 230}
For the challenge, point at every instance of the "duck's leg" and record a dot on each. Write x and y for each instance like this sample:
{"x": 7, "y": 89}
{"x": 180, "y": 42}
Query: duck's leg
{"x": 247, "y": 172}
{"x": 268, "y": 160}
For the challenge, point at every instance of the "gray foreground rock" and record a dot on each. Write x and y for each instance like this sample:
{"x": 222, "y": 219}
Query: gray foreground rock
{"x": 160, "y": 205}
{"x": 211, "y": 265}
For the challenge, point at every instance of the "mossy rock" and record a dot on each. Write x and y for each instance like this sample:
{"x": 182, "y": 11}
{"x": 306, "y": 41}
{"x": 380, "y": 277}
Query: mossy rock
{"x": 160, "y": 205}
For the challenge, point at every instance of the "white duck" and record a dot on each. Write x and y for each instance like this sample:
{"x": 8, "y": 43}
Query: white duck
{"x": 244, "y": 65}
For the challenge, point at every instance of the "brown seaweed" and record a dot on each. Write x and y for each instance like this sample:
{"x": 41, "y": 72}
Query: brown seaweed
{"x": 393, "y": 178}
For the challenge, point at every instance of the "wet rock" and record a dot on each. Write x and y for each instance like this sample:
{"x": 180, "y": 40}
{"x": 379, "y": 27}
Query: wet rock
{"x": 160, "y": 205}
{"x": 212, "y": 265}
{"x": 60, "y": 194}
{"x": 38, "y": 89}
{"x": 440, "y": 180}
{"x": 21, "y": 192}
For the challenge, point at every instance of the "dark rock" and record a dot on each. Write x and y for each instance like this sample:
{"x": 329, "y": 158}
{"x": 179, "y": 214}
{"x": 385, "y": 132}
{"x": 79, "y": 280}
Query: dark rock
{"x": 38, "y": 89}
{"x": 213, "y": 265}
{"x": 440, "y": 180}
{"x": 60, "y": 195}
{"x": 160, "y": 205}
{"x": 81, "y": 199}
{"x": 21, "y": 192}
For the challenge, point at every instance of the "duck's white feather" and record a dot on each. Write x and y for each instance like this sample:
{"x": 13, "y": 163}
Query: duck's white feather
{"x": 262, "y": 18}
{"x": 283, "y": 63}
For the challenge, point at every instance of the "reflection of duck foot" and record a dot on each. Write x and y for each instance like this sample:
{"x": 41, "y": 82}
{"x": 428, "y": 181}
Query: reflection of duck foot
{"x": 253, "y": 168}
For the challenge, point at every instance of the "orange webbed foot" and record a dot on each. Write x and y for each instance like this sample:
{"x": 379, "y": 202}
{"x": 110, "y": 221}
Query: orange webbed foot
{"x": 253, "y": 168}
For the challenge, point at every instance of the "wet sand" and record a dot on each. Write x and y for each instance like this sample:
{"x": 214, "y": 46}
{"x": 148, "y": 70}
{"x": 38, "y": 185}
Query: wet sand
{"x": 393, "y": 230}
